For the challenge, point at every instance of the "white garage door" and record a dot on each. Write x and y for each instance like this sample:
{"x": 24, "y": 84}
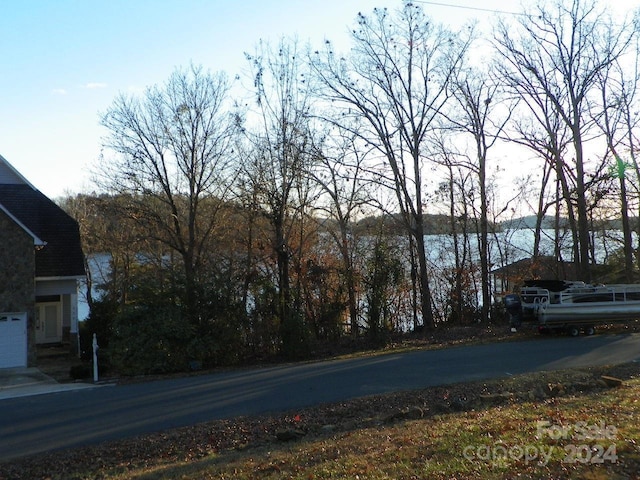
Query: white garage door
{"x": 13, "y": 340}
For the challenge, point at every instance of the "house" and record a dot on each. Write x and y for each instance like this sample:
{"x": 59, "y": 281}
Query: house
{"x": 508, "y": 278}
{"x": 41, "y": 263}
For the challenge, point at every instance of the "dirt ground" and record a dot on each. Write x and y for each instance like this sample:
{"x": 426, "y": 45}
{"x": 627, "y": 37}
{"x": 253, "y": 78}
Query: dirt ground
{"x": 56, "y": 361}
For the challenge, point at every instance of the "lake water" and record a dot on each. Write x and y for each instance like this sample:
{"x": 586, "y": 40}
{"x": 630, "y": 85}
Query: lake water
{"x": 505, "y": 248}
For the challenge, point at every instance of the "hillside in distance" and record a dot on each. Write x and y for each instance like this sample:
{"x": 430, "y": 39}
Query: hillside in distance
{"x": 439, "y": 224}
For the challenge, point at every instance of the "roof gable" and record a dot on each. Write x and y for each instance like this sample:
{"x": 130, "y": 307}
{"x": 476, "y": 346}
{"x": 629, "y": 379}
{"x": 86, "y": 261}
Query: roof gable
{"x": 10, "y": 176}
{"x": 36, "y": 240}
{"x": 57, "y": 235}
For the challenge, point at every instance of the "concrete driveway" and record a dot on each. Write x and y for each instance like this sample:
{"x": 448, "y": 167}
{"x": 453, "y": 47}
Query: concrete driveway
{"x": 23, "y": 382}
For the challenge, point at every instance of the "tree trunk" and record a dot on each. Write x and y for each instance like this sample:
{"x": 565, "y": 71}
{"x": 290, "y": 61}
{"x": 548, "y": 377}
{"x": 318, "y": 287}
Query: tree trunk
{"x": 584, "y": 264}
{"x": 425, "y": 290}
{"x": 349, "y": 279}
{"x": 484, "y": 240}
{"x": 457, "y": 304}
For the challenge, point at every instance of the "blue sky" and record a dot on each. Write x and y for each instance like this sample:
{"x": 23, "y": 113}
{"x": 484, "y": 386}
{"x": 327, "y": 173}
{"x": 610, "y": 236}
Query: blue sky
{"x": 64, "y": 61}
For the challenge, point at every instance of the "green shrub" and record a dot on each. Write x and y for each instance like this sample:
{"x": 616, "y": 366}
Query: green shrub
{"x": 100, "y": 321}
{"x": 149, "y": 340}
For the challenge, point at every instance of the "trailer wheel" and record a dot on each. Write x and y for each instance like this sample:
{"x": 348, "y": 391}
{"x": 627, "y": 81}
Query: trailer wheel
{"x": 590, "y": 330}
{"x": 573, "y": 331}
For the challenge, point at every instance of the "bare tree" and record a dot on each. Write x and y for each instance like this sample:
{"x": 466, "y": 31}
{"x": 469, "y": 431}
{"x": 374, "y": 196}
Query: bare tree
{"x": 341, "y": 173}
{"x": 281, "y": 150}
{"x": 454, "y": 192}
{"x": 476, "y": 100}
{"x": 546, "y": 135}
{"x": 172, "y": 156}
{"x": 396, "y": 81}
{"x": 557, "y": 52}
{"x": 618, "y": 120}
{"x": 104, "y": 231}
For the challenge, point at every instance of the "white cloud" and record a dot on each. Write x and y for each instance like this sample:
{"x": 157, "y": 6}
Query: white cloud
{"x": 92, "y": 85}
{"x": 59, "y": 91}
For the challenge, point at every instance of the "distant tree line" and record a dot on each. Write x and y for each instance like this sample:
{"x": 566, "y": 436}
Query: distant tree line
{"x": 290, "y": 209}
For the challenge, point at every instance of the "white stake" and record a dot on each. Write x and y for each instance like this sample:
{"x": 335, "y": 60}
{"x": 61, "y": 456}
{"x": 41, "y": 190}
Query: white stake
{"x": 95, "y": 358}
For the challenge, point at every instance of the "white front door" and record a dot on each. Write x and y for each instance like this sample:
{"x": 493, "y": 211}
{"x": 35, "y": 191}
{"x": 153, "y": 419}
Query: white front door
{"x": 48, "y": 323}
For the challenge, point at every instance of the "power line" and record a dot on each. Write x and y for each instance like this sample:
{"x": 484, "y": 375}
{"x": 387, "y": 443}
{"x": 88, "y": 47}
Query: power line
{"x": 441, "y": 4}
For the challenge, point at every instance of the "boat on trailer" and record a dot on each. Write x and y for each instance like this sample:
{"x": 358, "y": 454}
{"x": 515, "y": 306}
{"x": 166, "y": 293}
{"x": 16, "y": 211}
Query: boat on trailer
{"x": 577, "y": 306}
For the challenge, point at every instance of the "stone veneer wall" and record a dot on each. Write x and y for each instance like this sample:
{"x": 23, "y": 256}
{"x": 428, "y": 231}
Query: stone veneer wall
{"x": 17, "y": 277}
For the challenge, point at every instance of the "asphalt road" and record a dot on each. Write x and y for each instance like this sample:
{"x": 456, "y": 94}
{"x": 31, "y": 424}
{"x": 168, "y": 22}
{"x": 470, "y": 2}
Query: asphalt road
{"x": 32, "y": 425}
